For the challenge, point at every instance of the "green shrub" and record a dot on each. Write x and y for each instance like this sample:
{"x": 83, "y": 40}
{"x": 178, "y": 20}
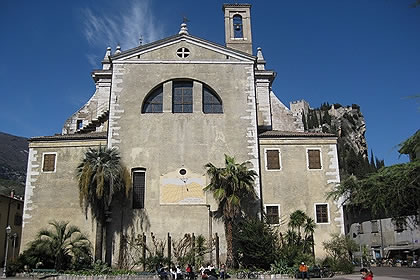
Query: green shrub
{"x": 256, "y": 243}
{"x": 343, "y": 265}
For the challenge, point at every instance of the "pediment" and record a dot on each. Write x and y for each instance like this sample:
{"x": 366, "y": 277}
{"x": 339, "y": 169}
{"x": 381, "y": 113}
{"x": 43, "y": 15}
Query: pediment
{"x": 183, "y": 49}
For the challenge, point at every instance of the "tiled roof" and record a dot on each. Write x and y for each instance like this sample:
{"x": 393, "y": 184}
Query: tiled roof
{"x": 92, "y": 135}
{"x": 278, "y": 133}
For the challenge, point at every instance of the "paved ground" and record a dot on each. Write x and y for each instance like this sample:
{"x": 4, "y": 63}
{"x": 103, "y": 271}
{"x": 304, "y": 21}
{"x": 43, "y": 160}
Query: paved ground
{"x": 380, "y": 273}
{"x": 386, "y": 273}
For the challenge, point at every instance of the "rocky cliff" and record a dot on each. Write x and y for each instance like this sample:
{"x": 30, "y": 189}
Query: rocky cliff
{"x": 348, "y": 123}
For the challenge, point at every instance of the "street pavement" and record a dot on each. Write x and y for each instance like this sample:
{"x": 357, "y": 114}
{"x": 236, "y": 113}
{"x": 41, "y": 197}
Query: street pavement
{"x": 385, "y": 273}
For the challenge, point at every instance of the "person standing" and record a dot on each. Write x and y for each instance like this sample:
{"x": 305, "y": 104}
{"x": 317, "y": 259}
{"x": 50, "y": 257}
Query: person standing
{"x": 303, "y": 269}
{"x": 366, "y": 274}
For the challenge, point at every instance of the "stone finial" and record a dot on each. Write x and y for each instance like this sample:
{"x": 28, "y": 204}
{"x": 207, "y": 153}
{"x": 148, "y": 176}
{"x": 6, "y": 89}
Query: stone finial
{"x": 118, "y": 49}
{"x": 260, "y": 60}
{"x": 107, "y": 53}
{"x": 106, "y": 62}
{"x": 184, "y": 29}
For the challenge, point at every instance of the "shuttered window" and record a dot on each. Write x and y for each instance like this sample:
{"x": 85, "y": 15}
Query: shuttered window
{"x": 139, "y": 185}
{"x": 273, "y": 159}
{"x": 314, "y": 159}
{"x": 272, "y": 213}
{"x": 49, "y": 163}
{"x": 322, "y": 213}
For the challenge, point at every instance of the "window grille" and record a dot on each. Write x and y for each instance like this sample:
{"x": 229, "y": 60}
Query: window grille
{"x": 154, "y": 102}
{"x": 182, "y": 99}
{"x": 139, "y": 186}
{"x": 322, "y": 213}
{"x": 272, "y": 213}
{"x": 211, "y": 103}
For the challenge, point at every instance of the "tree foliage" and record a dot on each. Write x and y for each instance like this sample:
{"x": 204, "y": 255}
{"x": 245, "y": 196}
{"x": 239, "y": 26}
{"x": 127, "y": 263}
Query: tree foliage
{"x": 393, "y": 191}
{"x": 100, "y": 177}
{"x": 296, "y": 244}
{"x": 257, "y": 243}
{"x": 233, "y": 188}
{"x": 411, "y": 146}
{"x": 340, "y": 248}
{"x": 64, "y": 246}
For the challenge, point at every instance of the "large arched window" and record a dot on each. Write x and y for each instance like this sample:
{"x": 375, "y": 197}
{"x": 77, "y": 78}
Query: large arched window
{"x": 237, "y": 26}
{"x": 154, "y": 101}
{"x": 211, "y": 102}
{"x": 182, "y": 98}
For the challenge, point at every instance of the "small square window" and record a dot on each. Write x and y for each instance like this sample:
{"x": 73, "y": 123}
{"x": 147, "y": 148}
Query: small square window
{"x": 272, "y": 214}
{"x": 49, "y": 163}
{"x": 321, "y": 213}
{"x": 314, "y": 159}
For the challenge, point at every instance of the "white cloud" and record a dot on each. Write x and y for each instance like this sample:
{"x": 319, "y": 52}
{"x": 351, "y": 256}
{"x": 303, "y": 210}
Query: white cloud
{"x": 93, "y": 60}
{"x": 124, "y": 27}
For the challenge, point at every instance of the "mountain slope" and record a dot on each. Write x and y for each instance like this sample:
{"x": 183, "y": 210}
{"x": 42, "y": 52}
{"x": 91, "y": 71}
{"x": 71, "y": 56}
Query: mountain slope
{"x": 13, "y": 161}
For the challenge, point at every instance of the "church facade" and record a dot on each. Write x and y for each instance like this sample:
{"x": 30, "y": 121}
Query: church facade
{"x": 170, "y": 107}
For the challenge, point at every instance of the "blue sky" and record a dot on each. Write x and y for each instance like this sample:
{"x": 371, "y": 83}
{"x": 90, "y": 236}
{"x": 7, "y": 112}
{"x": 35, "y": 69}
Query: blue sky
{"x": 365, "y": 52}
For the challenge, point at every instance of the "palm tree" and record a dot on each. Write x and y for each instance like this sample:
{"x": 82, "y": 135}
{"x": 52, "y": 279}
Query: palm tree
{"x": 100, "y": 176}
{"x": 309, "y": 229}
{"x": 232, "y": 186}
{"x": 297, "y": 220}
{"x": 63, "y": 242}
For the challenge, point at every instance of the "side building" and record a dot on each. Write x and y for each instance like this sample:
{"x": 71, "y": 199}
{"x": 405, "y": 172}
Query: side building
{"x": 170, "y": 107}
{"x": 11, "y": 211}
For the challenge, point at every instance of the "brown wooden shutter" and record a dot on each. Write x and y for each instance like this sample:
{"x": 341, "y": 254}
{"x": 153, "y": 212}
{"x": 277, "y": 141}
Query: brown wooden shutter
{"x": 139, "y": 184}
{"x": 49, "y": 162}
{"x": 314, "y": 157}
{"x": 273, "y": 159}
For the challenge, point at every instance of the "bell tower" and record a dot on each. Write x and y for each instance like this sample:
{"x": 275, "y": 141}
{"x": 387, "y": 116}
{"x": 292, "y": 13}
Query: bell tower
{"x": 238, "y": 27}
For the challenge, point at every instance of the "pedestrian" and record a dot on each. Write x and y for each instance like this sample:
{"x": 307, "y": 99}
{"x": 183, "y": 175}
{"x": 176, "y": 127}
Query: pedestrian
{"x": 222, "y": 271}
{"x": 190, "y": 272}
{"x": 179, "y": 273}
{"x": 303, "y": 269}
{"x": 366, "y": 274}
{"x": 172, "y": 270}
